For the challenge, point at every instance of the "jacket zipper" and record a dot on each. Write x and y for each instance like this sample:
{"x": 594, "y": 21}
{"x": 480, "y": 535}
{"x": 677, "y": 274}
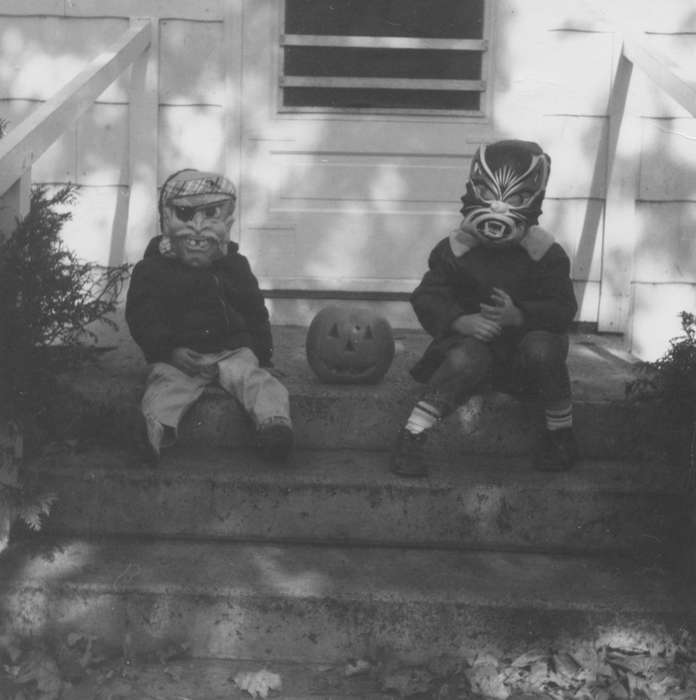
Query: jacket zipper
{"x": 221, "y": 299}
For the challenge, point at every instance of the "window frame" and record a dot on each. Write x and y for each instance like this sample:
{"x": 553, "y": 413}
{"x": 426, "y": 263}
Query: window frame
{"x": 483, "y": 86}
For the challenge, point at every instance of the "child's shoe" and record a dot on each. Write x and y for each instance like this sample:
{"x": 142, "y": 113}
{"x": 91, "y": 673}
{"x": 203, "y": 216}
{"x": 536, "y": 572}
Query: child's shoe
{"x": 275, "y": 439}
{"x": 557, "y": 451}
{"x": 408, "y": 455}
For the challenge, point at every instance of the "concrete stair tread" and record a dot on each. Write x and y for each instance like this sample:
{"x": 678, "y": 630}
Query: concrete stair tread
{"x": 359, "y": 468}
{"x": 394, "y": 575}
{"x": 329, "y": 604}
{"x": 349, "y": 496}
{"x": 213, "y": 679}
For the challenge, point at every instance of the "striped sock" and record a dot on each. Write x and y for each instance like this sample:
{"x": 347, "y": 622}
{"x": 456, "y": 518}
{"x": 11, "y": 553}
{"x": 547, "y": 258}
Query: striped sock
{"x": 423, "y": 416}
{"x": 560, "y": 416}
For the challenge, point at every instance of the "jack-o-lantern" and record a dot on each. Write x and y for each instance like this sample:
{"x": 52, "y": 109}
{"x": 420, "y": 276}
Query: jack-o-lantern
{"x": 349, "y": 345}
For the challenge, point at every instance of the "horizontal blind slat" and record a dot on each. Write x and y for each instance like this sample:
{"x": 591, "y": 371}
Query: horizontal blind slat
{"x": 382, "y": 83}
{"x": 383, "y": 42}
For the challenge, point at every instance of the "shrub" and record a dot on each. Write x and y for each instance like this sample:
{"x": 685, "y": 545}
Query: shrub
{"x": 670, "y": 383}
{"x": 49, "y": 303}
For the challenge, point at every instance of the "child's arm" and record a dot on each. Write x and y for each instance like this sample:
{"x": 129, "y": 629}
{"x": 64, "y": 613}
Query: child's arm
{"x": 439, "y": 310}
{"x": 256, "y": 314}
{"x": 553, "y": 306}
{"x": 146, "y": 318}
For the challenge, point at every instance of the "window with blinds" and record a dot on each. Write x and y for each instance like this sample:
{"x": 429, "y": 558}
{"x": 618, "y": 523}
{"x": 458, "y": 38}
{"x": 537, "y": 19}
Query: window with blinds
{"x": 404, "y": 55}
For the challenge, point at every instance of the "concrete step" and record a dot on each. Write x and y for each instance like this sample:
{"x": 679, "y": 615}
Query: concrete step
{"x": 106, "y": 398}
{"x": 325, "y": 604}
{"x": 349, "y": 496}
{"x": 212, "y": 679}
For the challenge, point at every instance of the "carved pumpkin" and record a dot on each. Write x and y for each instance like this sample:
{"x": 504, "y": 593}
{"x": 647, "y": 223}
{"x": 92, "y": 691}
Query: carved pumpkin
{"x": 349, "y": 345}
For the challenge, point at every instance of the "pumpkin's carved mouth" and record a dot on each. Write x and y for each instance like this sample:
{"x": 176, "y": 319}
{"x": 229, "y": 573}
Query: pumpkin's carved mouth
{"x": 349, "y": 345}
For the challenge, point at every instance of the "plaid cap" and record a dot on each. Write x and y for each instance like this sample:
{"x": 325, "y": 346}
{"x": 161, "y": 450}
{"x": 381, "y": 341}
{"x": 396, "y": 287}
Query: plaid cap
{"x": 195, "y": 188}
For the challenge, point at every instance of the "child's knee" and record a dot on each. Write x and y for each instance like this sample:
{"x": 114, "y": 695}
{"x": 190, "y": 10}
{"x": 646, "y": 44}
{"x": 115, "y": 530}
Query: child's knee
{"x": 469, "y": 358}
{"x": 544, "y": 349}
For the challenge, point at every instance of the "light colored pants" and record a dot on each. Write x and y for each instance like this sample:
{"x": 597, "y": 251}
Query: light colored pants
{"x": 169, "y": 392}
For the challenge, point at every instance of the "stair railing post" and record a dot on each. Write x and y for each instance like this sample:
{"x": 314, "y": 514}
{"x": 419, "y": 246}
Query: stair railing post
{"x": 14, "y": 204}
{"x": 143, "y": 146}
{"x": 623, "y": 158}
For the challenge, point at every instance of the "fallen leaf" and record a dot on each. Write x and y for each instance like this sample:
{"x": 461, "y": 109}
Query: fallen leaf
{"x": 529, "y": 658}
{"x": 566, "y": 665}
{"x": 407, "y": 680}
{"x": 73, "y": 638}
{"x": 356, "y": 668}
{"x": 487, "y": 680}
{"x": 258, "y": 683}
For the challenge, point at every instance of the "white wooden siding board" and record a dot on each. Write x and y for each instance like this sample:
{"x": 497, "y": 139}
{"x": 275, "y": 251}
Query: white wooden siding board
{"x": 32, "y": 7}
{"x": 102, "y": 146}
{"x": 564, "y": 219}
{"x": 382, "y": 42}
{"x": 360, "y": 284}
{"x": 58, "y": 163}
{"x": 558, "y": 73}
{"x": 181, "y": 9}
{"x": 300, "y": 312}
{"x": 382, "y": 83}
{"x": 668, "y": 160}
{"x": 88, "y": 231}
{"x": 377, "y": 181}
{"x": 191, "y": 137}
{"x": 573, "y": 143}
{"x": 656, "y": 316}
{"x": 20, "y": 149}
{"x": 575, "y": 74}
{"x": 666, "y": 245}
{"x": 191, "y": 62}
{"x": 352, "y": 134}
{"x": 355, "y": 244}
{"x": 41, "y": 54}
{"x": 637, "y": 15}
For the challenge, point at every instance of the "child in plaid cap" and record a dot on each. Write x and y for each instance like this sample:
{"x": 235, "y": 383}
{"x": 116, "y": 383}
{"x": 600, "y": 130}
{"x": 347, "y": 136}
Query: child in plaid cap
{"x": 195, "y": 309}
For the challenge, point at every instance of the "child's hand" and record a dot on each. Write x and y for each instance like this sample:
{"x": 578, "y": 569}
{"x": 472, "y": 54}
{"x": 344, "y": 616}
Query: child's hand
{"x": 477, "y": 326}
{"x": 503, "y": 310}
{"x": 186, "y": 360}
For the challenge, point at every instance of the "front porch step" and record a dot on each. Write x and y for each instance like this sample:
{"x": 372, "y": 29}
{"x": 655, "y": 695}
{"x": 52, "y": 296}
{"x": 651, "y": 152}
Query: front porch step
{"x": 214, "y": 679}
{"x": 349, "y": 496}
{"x": 326, "y": 605}
{"x": 104, "y": 405}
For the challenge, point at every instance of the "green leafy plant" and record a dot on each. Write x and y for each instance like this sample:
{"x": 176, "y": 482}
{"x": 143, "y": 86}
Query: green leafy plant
{"x": 50, "y": 301}
{"x": 670, "y": 383}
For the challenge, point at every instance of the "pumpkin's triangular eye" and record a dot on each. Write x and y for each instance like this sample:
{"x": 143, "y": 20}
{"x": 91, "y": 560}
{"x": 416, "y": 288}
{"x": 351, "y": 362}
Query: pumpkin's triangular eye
{"x": 368, "y": 333}
{"x": 333, "y": 333}
{"x": 350, "y": 347}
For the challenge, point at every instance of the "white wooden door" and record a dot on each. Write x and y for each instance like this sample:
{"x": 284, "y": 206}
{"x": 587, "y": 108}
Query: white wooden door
{"x": 341, "y": 200}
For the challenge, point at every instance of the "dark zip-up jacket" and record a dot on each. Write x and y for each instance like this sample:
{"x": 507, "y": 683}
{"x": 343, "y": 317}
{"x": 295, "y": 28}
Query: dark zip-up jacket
{"x": 206, "y": 309}
{"x": 537, "y": 277}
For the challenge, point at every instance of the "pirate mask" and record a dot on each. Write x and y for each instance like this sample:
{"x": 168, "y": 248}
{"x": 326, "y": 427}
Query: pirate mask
{"x": 196, "y": 215}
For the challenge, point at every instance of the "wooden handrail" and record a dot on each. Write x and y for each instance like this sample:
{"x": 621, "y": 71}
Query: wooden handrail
{"x": 20, "y": 149}
{"x": 657, "y": 67}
